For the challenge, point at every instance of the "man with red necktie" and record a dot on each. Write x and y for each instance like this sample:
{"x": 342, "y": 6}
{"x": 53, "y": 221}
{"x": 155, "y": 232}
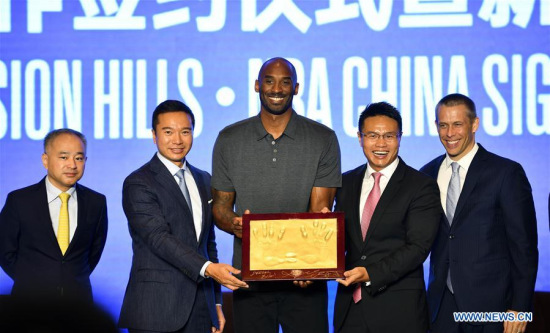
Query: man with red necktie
{"x": 392, "y": 216}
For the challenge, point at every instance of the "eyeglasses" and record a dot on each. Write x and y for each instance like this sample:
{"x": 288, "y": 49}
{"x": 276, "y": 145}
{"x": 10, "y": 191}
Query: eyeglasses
{"x": 388, "y": 137}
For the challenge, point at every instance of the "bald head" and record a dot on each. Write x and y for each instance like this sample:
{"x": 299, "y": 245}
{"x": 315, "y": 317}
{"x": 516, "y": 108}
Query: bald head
{"x": 279, "y": 61}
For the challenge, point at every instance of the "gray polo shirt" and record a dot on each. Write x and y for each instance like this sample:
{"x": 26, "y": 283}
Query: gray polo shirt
{"x": 274, "y": 176}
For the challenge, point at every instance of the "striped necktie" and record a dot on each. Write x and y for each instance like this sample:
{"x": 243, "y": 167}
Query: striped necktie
{"x": 453, "y": 192}
{"x": 184, "y": 190}
{"x": 368, "y": 210}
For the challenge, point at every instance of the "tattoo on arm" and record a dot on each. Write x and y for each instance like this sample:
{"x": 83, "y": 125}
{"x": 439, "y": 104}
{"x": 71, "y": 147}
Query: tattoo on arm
{"x": 222, "y": 209}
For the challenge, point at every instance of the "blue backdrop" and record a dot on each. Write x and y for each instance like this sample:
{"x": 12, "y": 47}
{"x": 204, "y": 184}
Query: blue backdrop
{"x": 101, "y": 66}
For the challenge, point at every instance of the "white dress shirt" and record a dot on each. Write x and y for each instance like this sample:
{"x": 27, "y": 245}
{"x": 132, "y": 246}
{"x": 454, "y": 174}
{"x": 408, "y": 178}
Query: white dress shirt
{"x": 368, "y": 183}
{"x": 54, "y": 205}
{"x": 196, "y": 202}
{"x": 445, "y": 172}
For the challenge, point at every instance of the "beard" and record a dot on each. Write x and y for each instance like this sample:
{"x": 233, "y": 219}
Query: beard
{"x": 275, "y": 110}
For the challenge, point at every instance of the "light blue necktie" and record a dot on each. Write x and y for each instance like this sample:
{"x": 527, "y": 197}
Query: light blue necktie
{"x": 183, "y": 188}
{"x": 453, "y": 192}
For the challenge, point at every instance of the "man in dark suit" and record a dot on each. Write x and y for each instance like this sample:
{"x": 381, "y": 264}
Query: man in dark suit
{"x": 485, "y": 256}
{"x": 168, "y": 205}
{"x": 392, "y": 215}
{"x": 49, "y": 246}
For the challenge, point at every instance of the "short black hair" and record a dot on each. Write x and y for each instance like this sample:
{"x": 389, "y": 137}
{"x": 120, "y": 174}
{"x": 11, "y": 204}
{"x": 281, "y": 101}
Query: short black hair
{"x": 458, "y": 99}
{"x": 57, "y": 132}
{"x": 380, "y": 109}
{"x": 172, "y": 105}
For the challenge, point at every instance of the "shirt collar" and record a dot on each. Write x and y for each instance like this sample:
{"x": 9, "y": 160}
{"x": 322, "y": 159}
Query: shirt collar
{"x": 465, "y": 161}
{"x": 172, "y": 168}
{"x": 53, "y": 192}
{"x": 289, "y": 131}
{"x": 386, "y": 172}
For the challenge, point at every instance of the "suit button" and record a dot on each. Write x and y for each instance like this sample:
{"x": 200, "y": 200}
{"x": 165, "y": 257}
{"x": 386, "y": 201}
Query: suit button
{"x": 363, "y": 257}
{"x": 451, "y": 236}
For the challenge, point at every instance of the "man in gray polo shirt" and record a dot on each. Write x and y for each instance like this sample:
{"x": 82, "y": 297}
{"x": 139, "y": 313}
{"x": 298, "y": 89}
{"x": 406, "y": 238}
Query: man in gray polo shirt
{"x": 276, "y": 162}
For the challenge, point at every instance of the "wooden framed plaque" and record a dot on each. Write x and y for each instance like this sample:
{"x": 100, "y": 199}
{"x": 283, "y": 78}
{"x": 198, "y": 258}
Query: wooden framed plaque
{"x": 295, "y": 246}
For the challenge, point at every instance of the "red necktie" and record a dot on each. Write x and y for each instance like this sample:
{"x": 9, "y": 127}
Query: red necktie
{"x": 368, "y": 210}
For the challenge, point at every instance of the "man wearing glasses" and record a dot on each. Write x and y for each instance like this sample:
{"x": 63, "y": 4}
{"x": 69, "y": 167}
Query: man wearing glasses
{"x": 392, "y": 215}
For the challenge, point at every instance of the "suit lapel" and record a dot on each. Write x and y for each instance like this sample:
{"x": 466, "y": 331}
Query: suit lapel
{"x": 355, "y": 225}
{"x": 385, "y": 200}
{"x": 202, "y": 192}
{"x": 474, "y": 171}
{"x": 42, "y": 211}
{"x": 167, "y": 181}
{"x": 44, "y": 217}
{"x": 81, "y": 216}
{"x": 433, "y": 170}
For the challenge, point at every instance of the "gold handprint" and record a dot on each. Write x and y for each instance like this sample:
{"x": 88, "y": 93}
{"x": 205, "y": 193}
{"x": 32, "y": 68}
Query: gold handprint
{"x": 318, "y": 238}
{"x": 268, "y": 245}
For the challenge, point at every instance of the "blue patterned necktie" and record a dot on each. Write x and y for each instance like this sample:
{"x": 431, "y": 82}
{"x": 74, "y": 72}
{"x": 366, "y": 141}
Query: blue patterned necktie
{"x": 453, "y": 192}
{"x": 183, "y": 188}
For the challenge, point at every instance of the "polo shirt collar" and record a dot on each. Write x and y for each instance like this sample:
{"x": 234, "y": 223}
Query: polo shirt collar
{"x": 289, "y": 131}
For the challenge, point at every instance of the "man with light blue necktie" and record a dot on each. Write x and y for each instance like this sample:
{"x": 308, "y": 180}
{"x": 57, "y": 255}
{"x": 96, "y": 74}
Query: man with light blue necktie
{"x": 485, "y": 256}
{"x": 168, "y": 205}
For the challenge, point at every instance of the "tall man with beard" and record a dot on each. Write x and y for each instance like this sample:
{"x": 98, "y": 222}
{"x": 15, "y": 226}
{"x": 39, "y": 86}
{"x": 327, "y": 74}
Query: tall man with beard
{"x": 276, "y": 162}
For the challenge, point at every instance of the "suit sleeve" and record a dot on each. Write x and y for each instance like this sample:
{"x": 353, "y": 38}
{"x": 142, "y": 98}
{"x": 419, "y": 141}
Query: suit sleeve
{"x": 213, "y": 256}
{"x": 9, "y": 236}
{"x": 421, "y": 223}
{"x": 146, "y": 221}
{"x": 100, "y": 236}
{"x": 518, "y": 213}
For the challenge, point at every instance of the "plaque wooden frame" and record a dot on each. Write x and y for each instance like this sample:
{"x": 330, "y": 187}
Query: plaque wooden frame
{"x": 304, "y": 271}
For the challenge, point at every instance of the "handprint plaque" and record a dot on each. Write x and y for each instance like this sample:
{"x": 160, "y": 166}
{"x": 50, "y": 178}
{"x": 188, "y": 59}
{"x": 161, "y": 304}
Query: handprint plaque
{"x": 299, "y": 246}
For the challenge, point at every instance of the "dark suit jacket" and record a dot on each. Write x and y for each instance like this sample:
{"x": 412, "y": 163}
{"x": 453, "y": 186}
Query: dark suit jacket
{"x": 30, "y": 254}
{"x": 165, "y": 274}
{"x": 401, "y": 232}
{"x": 492, "y": 243}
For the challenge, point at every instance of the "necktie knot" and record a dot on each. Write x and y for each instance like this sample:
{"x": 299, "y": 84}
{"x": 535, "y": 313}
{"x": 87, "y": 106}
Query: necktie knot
{"x": 64, "y": 197}
{"x": 180, "y": 176}
{"x": 377, "y": 176}
{"x": 455, "y": 167}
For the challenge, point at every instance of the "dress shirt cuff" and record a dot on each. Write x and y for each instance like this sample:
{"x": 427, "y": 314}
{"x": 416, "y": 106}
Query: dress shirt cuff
{"x": 203, "y": 269}
{"x": 367, "y": 284}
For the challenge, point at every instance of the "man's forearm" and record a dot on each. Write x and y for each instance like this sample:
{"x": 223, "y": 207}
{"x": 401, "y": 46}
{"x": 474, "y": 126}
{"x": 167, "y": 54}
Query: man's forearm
{"x": 222, "y": 209}
{"x": 223, "y": 218}
{"x": 321, "y": 197}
